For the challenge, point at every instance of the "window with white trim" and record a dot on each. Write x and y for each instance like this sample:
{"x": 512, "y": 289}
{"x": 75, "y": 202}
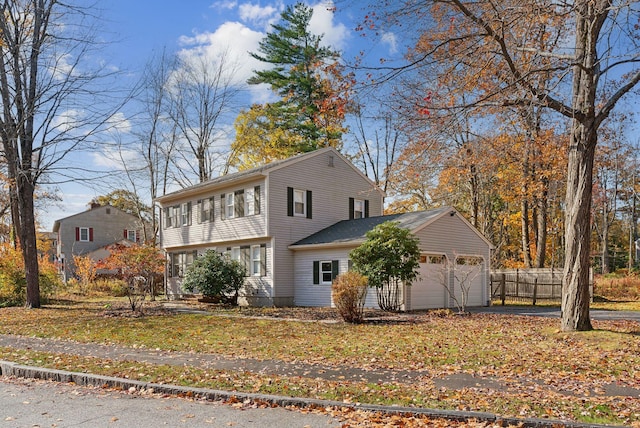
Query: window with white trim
{"x": 299, "y": 203}
{"x": 206, "y": 210}
{"x": 185, "y": 212}
{"x": 256, "y": 260}
{"x": 179, "y": 262}
{"x": 131, "y": 235}
{"x": 249, "y": 202}
{"x": 229, "y": 203}
{"x": 84, "y": 234}
{"x": 358, "y": 208}
{"x": 325, "y": 271}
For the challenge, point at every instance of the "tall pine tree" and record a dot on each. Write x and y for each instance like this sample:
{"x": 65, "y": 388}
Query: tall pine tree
{"x": 312, "y": 90}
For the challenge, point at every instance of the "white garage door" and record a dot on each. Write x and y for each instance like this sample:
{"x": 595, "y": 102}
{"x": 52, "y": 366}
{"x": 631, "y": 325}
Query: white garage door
{"x": 468, "y": 277}
{"x": 427, "y": 292}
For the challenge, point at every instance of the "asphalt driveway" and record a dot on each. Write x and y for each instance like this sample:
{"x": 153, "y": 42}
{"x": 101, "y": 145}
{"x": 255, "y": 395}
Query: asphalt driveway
{"x": 553, "y": 312}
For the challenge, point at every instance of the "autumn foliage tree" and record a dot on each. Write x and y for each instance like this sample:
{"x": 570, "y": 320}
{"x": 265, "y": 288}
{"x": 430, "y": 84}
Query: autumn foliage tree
{"x": 139, "y": 266}
{"x": 547, "y": 55}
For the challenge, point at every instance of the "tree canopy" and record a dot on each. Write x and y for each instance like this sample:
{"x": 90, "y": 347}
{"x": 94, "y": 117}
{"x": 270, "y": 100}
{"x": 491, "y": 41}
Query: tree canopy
{"x": 388, "y": 258}
{"x": 312, "y": 88}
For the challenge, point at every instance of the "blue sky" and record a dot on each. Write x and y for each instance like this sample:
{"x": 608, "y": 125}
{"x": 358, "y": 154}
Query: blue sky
{"x": 136, "y": 29}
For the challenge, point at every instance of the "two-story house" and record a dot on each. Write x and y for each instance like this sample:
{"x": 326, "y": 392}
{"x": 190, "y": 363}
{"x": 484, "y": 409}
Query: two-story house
{"x": 293, "y": 223}
{"x": 255, "y": 215}
{"x": 90, "y": 232}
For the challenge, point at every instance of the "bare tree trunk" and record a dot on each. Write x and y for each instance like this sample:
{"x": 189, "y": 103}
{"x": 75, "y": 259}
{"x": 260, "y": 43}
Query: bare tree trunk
{"x": 541, "y": 219}
{"x": 28, "y": 242}
{"x": 524, "y": 221}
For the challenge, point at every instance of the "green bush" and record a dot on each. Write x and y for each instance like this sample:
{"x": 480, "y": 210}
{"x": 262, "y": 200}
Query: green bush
{"x": 215, "y": 276}
{"x": 349, "y": 291}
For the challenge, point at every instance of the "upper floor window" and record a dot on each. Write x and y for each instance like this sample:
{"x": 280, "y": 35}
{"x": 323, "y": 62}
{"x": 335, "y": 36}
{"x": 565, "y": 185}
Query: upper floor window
{"x": 358, "y": 208}
{"x": 206, "y": 209}
{"x": 252, "y": 201}
{"x": 298, "y": 203}
{"x": 84, "y": 234}
{"x": 185, "y": 214}
{"x": 240, "y": 203}
{"x": 175, "y": 210}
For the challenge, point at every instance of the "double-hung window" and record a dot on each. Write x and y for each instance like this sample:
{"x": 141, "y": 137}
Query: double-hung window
{"x": 256, "y": 260}
{"x": 84, "y": 234}
{"x": 185, "y": 210}
{"x": 299, "y": 203}
{"x": 325, "y": 271}
{"x": 230, "y": 204}
{"x": 358, "y": 208}
{"x": 206, "y": 210}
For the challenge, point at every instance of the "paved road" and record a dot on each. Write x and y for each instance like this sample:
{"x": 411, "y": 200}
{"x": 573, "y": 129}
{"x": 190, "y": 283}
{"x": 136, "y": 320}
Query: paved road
{"x": 551, "y": 312}
{"x": 37, "y": 403}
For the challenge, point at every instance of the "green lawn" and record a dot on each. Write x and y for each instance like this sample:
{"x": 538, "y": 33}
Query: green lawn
{"x": 548, "y": 373}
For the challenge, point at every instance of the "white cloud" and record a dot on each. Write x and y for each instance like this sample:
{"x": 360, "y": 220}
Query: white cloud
{"x": 322, "y": 22}
{"x": 114, "y": 159}
{"x": 259, "y": 15}
{"x": 224, "y": 4}
{"x": 119, "y": 123}
{"x": 390, "y": 40}
{"x": 68, "y": 120}
{"x": 232, "y": 40}
{"x": 63, "y": 67}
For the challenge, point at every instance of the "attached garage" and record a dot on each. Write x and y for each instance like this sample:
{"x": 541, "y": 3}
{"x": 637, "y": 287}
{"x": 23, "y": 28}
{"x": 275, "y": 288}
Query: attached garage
{"x": 454, "y": 262}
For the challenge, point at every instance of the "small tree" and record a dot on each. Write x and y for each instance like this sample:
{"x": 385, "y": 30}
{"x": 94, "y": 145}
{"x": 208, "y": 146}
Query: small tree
{"x": 215, "y": 276}
{"x": 137, "y": 266}
{"x": 463, "y": 279}
{"x": 85, "y": 270}
{"x": 349, "y": 291}
{"x": 388, "y": 258}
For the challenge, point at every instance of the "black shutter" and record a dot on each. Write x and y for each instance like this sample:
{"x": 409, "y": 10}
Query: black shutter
{"x": 263, "y": 260}
{"x": 256, "y": 200}
{"x": 309, "y": 208}
{"x": 245, "y": 258}
{"x": 334, "y": 269}
{"x": 290, "y": 201}
{"x": 223, "y": 207}
{"x": 238, "y": 203}
{"x": 212, "y": 204}
{"x": 316, "y": 272}
{"x": 366, "y": 207}
{"x": 200, "y": 210}
{"x": 351, "y": 208}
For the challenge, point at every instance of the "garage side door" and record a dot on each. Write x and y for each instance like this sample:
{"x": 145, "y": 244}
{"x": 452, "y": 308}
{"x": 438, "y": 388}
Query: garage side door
{"x": 468, "y": 275}
{"x": 427, "y": 292}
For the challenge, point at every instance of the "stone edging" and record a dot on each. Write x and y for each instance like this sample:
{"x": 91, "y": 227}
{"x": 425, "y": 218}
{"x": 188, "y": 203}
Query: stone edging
{"x": 8, "y": 368}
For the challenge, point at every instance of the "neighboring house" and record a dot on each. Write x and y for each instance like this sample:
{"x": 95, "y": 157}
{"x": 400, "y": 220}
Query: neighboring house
{"x": 293, "y": 222}
{"x": 255, "y": 215}
{"x": 90, "y": 232}
{"x": 452, "y": 251}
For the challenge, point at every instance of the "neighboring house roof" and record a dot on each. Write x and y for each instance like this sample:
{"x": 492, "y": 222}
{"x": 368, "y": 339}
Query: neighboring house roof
{"x": 349, "y": 233}
{"x": 56, "y": 224}
{"x": 252, "y": 173}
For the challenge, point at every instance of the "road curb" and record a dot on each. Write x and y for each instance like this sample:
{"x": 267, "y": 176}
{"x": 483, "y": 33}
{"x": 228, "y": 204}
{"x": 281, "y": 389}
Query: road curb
{"x": 8, "y": 368}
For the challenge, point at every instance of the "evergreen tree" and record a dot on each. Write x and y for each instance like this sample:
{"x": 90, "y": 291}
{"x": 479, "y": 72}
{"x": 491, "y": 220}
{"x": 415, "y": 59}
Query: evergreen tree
{"x": 309, "y": 81}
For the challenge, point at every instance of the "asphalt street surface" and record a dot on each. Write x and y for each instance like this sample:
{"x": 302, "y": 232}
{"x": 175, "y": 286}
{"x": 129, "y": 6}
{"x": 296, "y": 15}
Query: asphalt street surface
{"x": 36, "y": 403}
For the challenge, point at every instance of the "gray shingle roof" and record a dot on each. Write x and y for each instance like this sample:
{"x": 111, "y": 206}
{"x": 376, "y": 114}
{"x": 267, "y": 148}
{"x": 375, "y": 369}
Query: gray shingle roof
{"x": 354, "y": 231}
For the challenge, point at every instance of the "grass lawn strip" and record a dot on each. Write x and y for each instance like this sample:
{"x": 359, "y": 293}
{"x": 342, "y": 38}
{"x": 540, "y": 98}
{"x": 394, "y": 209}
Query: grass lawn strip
{"x": 534, "y": 403}
{"x": 527, "y": 353}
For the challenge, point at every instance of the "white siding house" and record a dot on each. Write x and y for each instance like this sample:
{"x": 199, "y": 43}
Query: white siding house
{"x": 255, "y": 215}
{"x": 293, "y": 223}
{"x": 448, "y": 244}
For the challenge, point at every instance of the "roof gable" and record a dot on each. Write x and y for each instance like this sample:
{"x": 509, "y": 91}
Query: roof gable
{"x": 56, "y": 224}
{"x": 351, "y": 232}
{"x": 261, "y": 171}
